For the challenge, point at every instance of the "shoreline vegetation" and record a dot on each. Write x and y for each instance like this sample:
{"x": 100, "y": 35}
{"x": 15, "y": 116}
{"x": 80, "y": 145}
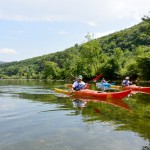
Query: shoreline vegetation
{"x": 118, "y": 81}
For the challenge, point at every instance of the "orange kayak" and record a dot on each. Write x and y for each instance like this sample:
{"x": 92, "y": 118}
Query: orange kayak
{"x": 95, "y": 94}
{"x": 138, "y": 88}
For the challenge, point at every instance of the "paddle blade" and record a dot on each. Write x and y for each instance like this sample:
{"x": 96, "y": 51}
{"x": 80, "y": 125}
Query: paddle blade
{"x": 97, "y": 77}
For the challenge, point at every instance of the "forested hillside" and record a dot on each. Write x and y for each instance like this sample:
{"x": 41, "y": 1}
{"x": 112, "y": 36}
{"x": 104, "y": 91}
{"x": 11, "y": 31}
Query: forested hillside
{"x": 123, "y": 53}
{"x": 1, "y": 62}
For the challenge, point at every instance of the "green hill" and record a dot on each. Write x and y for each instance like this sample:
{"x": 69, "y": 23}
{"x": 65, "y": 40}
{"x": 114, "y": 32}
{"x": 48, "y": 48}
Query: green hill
{"x": 123, "y": 53}
{"x": 1, "y": 62}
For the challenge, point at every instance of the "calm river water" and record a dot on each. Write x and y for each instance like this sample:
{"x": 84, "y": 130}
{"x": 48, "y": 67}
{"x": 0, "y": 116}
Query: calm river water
{"x": 34, "y": 117}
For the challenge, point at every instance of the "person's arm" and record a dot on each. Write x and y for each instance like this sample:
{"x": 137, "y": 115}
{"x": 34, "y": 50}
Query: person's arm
{"x": 123, "y": 83}
{"x": 73, "y": 85}
{"x": 83, "y": 85}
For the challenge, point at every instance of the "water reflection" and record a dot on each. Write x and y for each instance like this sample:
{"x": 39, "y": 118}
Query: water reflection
{"x": 127, "y": 115}
{"x": 93, "y": 107}
{"x": 80, "y": 103}
{"x": 77, "y": 103}
{"x": 147, "y": 147}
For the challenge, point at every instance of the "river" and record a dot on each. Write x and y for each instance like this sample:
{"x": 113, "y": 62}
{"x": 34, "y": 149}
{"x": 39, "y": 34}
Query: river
{"x": 34, "y": 117}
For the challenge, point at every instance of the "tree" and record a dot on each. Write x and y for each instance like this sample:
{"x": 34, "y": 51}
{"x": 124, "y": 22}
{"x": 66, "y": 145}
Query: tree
{"x": 143, "y": 63}
{"x": 92, "y": 57}
{"x": 51, "y": 70}
{"x": 89, "y": 37}
{"x": 110, "y": 69}
{"x": 146, "y": 18}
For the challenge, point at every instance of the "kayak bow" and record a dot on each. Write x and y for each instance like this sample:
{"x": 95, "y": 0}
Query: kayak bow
{"x": 138, "y": 88}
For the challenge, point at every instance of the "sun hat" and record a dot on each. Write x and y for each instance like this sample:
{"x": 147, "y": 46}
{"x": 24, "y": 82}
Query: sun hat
{"x": 127, "y": 78}
{"x": 80, "y": 77}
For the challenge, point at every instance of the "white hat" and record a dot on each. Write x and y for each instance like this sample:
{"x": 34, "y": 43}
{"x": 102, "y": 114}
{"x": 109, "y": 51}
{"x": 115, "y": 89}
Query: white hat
{"x": 80, "y": 77}
{"x": 127, "y": 78}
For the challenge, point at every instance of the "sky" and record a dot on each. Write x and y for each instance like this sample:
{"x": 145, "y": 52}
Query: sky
{"x": 31, "y": 28}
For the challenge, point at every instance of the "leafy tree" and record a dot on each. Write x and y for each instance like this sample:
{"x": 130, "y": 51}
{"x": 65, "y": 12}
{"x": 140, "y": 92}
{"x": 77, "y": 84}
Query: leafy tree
{"x": 89, "y": 37}
{"x": 91, "y": 55}
{"x": 146, "y": 18}
{"x": 11, "y": 70}
{"x": 110, "y": 69}
{"x": 132, "y": 69}
{"x": 71, "y": 66}
{"x": 51, "y": 70}
{"x": 143, "y": 63}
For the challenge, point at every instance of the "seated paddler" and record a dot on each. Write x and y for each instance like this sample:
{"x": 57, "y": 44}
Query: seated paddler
{"x": 126, "y": 82}
{"x": 78, "y": 84}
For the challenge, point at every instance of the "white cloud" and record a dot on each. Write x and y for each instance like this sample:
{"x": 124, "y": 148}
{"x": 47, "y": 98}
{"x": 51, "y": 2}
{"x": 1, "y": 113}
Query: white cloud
{"x": 40, "y": 24}
{"x": 77, "y": 10}
{"x": 7, "y": 51}
{"x": 91, "y": 23}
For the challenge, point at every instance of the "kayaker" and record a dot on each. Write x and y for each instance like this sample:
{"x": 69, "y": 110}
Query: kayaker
{"x": 103, "y": 80}
{"x": 126, "y": 82}
{"x": 78, "y": 84}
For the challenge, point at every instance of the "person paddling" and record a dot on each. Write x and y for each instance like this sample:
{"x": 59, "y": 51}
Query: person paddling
{"x": 78, "y": 84}
{"x": 103, "y": 81}
{"x": 103, "y": 84}
{"x": 126, "y": 82}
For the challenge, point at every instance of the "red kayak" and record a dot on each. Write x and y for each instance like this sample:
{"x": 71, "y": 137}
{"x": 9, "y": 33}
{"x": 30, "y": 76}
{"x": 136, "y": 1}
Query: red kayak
{"x": 138, "y": 88}
{"x": 95, "y": 94}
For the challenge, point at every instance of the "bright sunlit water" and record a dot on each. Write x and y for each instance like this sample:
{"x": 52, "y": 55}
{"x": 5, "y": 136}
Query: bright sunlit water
{"x": 34, "y": 117}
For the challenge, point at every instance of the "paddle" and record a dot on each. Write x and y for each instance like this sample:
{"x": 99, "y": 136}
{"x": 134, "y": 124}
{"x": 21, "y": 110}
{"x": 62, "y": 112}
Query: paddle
{"x": 97, "y": 77}
{"x": 94, "y": 79}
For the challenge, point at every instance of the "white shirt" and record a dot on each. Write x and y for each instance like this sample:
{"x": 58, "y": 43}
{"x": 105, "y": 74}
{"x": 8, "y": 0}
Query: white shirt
{"x": 80, "y": 85}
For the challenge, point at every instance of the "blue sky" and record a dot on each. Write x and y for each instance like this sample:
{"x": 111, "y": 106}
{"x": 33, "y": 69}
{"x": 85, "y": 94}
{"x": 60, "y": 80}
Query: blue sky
{"x": 30, "y": 28}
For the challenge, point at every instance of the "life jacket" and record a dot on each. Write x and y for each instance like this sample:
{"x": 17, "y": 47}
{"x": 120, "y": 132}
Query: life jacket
{"x": 126, "y": 82}
{"x": 79, "y": 87}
